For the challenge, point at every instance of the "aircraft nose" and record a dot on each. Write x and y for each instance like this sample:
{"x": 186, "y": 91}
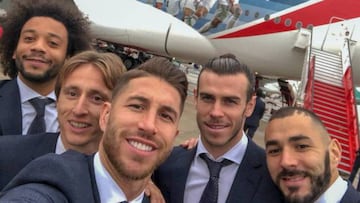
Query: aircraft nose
{"x": 141, "y": 26}
{"x": 187, "y": 43}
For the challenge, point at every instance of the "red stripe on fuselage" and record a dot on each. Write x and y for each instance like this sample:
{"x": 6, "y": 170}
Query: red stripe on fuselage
{"x": 317, "y": 14}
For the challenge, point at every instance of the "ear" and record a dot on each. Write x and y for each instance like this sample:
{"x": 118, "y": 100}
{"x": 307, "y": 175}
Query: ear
{"x": 14, "y": 56}
{"x": 335, "y": 152}
{"x": 104, "y": 115}
{"x": 250, "y": 106}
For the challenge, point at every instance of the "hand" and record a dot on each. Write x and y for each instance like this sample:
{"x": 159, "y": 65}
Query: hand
{"x": 154, "y": 193}
{"x": 190, "y": 143}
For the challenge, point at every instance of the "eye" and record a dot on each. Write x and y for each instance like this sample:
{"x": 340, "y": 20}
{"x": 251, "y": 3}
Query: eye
{"x": 206, "y": 98}
{"x": 71, "y": 93}
{"x": 302, "y": 147}
{"x": 53, "y": 44}
{"x": 167, "y": 117}
{"x": 273, "y": 151}
{"x": 98, "y": 99}
{"x": 28, "y": 39}
{"x": 230, "y": 101}
{"x": 136, "y": 107}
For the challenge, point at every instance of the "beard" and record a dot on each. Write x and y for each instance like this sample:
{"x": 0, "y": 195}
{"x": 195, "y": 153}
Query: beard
{"x": 111, "y": 148}
{"x": 48, "y": 75}
{"x": 319, "y": 183}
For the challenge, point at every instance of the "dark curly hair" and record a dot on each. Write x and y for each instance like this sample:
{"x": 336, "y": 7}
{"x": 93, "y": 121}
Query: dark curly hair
{"x": 64, "y": 11}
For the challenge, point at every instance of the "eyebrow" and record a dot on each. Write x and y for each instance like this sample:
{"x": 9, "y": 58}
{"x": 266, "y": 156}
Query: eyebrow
{"x": 164, "y": 107}
{"x": 50, "y": 33}
{"x": 91, "y": 91}
{"x": 291, "y": 139}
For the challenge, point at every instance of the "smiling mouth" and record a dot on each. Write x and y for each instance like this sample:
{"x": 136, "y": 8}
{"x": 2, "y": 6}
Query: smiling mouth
{"x": 293, "y": 178}
{"x": 141, "y": 146}
{"x": 79, "y": 124}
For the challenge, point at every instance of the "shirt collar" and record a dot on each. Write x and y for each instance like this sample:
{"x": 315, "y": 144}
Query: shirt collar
{"x": 235, "y": 154}
{"x": 335, "y": 192}
{"x": 109, "y": 191}
{"x": 59, "y": 149}
{"x": 27, "y": 93}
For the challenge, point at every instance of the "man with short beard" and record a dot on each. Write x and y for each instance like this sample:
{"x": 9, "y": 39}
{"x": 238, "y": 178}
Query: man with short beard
{"x": 38, "y": 37}
{"x": 303, "y": 159}
{"x": 140, "y": 125}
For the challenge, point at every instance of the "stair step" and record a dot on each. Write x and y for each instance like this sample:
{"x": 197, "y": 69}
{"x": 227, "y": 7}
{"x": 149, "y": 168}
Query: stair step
{"x": 328, "y": 86}
{"x": 329, "y": 106}
{"x": 330, "y": 103}
{"x": 324, "y": 53}
{"x": 320, "y": 71}
{"x": 340, "y": 118}
{"x": 332, "y": 96}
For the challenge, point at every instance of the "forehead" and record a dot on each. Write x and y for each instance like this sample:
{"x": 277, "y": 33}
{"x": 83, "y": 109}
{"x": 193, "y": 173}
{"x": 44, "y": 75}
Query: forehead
{"x": 226, "y": 85}
{"x": 154, "y": 90}
{"x": 46, "y": 25}
{"x": 282, "y": 129}
{"x": 86, "y": 75}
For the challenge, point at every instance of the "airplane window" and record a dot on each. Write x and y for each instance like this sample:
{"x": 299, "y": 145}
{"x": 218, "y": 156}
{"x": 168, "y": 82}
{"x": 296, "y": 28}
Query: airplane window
{"x": 288, "y": 22}
{"x": 256, "y": 15}
{"x": 277, "y": 20}
{"x": 247, "y": 12}
{"x": 298, "y": 24}
{"x": 310, "y": 26}
{"x": 267, "y": 17}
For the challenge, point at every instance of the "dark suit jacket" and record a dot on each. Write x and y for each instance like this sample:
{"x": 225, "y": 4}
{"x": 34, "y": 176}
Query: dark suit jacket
{"x": 16, "y": 151}
{"x": 252, "y": 182}
{"x": 68, "y": 177}
{"x": 351, "y": 195}
{"x": 257, "y": 114}
{"x": 10, "y": 108}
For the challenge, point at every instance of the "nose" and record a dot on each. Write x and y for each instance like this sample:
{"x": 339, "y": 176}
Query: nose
{"x": 288, "y": 159}
{"x": 80, "y": 106}
{"x": 216, "y": 110}
{"x": 39, "y": 45}
{"x": 148, "y": 123}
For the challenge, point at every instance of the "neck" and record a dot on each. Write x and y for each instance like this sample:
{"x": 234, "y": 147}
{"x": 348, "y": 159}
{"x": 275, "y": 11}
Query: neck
{"x": 88, "y": 149}
{"x": 130, "y": 187}
{"x": 43, "y": 88}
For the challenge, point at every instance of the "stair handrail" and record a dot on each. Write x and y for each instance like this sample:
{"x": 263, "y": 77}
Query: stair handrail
{"x": 348, "y": 83}
{"x": 305, "y": 72}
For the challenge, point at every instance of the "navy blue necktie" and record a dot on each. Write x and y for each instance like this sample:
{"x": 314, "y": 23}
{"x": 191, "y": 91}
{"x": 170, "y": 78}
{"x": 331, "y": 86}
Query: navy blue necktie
{"x": 38, "y": 124}
{"x": 210, "y": 194}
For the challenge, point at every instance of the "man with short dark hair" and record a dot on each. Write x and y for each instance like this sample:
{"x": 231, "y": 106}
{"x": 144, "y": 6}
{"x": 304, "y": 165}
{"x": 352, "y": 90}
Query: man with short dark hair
{"x": 39, "y": 35}
{"x": 303, "y": 159}
{"x": 140, "y": 125}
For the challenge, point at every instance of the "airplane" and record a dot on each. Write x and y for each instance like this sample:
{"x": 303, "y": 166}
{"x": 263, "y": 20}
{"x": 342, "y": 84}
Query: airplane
{"x": 268, "y": 43}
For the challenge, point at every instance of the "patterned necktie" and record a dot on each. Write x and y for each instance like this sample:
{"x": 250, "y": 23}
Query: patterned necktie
{"x": 210, "y": 194}
{"x": 38, "y": 124}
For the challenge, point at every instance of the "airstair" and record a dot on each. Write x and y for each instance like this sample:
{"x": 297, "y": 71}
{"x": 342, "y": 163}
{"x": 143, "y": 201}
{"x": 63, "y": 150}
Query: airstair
{"x": 329, "y": 92}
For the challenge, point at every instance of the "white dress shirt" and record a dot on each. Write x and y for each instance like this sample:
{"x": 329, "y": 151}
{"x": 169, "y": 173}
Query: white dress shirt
{"x": 59, "y": 149}
{"x": 199, "y": 172}
{"x": 109, "y": 191}
{"x": 334, "y": 193}
{"x": 29, "y": 113}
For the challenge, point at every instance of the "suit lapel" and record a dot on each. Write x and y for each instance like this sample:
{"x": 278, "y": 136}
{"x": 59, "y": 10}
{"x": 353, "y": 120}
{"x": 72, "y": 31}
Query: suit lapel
{"x": 94, "y": 188}
{"x": 46, "y": 142}
{"x": 247, "y": 178}
{"x": 11, "y": 118}
{"x": 180, "y": 173}
{"x": 146, "y": 199}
